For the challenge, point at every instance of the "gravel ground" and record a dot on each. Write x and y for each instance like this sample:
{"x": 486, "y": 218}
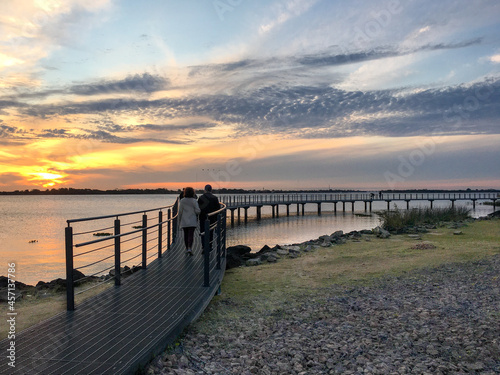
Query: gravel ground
{"x": 444, "y": 320}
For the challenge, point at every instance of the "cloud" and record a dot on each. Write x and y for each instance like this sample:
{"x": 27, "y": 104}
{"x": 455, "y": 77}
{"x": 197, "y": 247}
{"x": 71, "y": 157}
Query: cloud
{"x": 146, "y": 83}
{"x": 31, "y": 31}
{"x": 7, "y": 131}
{"x": 495, "y": 59}
{"x": 283, "y": 12}
{"x": 107, "y": 137}
{"x": 310, "y": 111}
{"x": 10, "y": 104}
{"x": 333, "y": 59}
{"x": 54, "y": 133}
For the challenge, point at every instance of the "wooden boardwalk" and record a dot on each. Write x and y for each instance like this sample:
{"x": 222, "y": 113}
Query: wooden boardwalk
{"x": 121, "y": 329}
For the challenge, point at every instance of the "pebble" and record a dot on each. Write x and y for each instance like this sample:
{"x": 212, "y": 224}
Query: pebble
{"x": 433, "y": 321}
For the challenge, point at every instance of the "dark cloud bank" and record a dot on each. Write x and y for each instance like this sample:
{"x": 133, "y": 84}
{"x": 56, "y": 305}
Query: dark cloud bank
{"x": 320, "y": 111}
{"x": 279, "y": 107}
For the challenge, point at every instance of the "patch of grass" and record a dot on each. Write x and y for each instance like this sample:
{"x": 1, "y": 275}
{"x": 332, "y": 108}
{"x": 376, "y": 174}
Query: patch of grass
{"x": 264, "y": 291}
{"x": 397, "y": 220}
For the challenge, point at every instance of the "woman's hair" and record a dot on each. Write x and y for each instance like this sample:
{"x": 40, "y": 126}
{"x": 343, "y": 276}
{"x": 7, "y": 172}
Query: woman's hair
{"x": 188, "y": 192}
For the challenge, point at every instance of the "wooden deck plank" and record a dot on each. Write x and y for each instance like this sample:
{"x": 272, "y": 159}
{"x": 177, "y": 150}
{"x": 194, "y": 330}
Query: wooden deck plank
{"x": 116, "y": 331}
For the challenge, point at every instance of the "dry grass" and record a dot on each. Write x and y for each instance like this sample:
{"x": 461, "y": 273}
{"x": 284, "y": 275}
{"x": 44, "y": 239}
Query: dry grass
{"x": 358, "y": 262}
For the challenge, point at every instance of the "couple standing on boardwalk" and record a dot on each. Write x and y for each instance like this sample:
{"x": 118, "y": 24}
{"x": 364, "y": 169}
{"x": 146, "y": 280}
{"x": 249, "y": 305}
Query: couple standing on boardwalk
{"x": 190, "y": 208}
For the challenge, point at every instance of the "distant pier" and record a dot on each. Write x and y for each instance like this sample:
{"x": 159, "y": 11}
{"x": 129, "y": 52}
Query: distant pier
{"x": 243, "y": 202}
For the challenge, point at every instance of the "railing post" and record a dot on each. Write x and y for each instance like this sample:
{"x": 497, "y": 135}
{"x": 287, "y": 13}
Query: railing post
{"x": 224, "y": 226}
{"x": 169, "y": 226}
{"x": 160, "y": 232}
{"x": 70, "y": 291}
{"x": 174, "y": 221}
{"x": 144, "y": 240}
{"x": 206, "y": 253}
{"x": 219, "y": 238}
{"x": 117, "y": 253}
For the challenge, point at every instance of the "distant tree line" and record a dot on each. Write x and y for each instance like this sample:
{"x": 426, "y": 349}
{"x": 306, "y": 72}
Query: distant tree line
{"x": 74, "y": 191}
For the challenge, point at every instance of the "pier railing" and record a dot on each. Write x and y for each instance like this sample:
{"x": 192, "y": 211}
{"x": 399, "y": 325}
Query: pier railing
{"x": 213, "y": 239}
{"x": 136, "y": 237}
{"x": 107, "y": 247}
{"x": 241, "y": 200}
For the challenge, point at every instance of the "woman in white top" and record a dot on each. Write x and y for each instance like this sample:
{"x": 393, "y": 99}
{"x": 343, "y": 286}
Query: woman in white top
{"x": 188, "y": 217}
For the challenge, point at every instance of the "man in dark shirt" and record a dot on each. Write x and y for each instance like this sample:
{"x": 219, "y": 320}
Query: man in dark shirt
{"x": 208, "y": 203}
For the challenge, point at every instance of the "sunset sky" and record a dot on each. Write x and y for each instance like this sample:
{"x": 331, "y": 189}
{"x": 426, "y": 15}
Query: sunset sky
{"x": 293, "y": 94}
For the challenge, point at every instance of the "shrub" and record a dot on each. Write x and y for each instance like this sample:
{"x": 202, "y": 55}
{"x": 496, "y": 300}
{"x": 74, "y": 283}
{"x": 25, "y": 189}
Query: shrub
{"x": 397, "y": 220}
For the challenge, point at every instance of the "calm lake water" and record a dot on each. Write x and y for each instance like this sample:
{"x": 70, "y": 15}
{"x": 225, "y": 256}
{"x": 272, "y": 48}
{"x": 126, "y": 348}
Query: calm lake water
{"x": 43, "y": 218}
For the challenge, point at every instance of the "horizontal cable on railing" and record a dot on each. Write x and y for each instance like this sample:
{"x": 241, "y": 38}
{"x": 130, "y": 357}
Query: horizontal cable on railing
{"x": 131, "y": 239}
{"x": 132, "y": 222}
{"x": 125, "y": 271}
{"x": 94, "y": 274}
{"x": 152, "y": 239}
{"x": 92, "y": 231}
{"x": 129, "y": 250}
{"x": 151, "y": 256}
{"x": 117, "y": 215}
{"x": 94, "y": 250}
{"x": 115, "y": 236}
{"x": 91, "y": 264}
{"x": 94, "y": 286}
{"x": 128, "y": 260}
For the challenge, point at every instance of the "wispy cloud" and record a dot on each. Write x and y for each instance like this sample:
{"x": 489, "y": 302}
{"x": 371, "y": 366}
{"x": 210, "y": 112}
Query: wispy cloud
{"x": 31, "y": 30}
{"x": 283, "y": 11}
{"x": 146, "y": 83}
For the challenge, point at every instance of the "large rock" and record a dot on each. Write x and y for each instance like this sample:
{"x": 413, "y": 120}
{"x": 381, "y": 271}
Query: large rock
{"x": 253, "y": 262}
{"x": 264, "y": 250}
{"x": 54, "y": 284}
{"x": 236, "y": 256}
{"x": 77, "y": 275}
{"x": 337, "y": 234}
{"x": 325, "y": 238}
{"x": 381, "y": 232}
{"x": 4, "y": 282}
{"x": 272, "y": 258}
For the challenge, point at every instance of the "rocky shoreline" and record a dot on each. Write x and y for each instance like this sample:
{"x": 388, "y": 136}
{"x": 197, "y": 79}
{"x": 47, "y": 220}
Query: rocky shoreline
{"x": 242, "y": 255}
{"x": 443, "y": 320}
{"x": 44, "y": 288}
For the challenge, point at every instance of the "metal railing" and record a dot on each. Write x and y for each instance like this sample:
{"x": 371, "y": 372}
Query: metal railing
{"x": 152, "y": 234}
{"x": 241, "y": 200}
{"x": 213, "y": 235}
